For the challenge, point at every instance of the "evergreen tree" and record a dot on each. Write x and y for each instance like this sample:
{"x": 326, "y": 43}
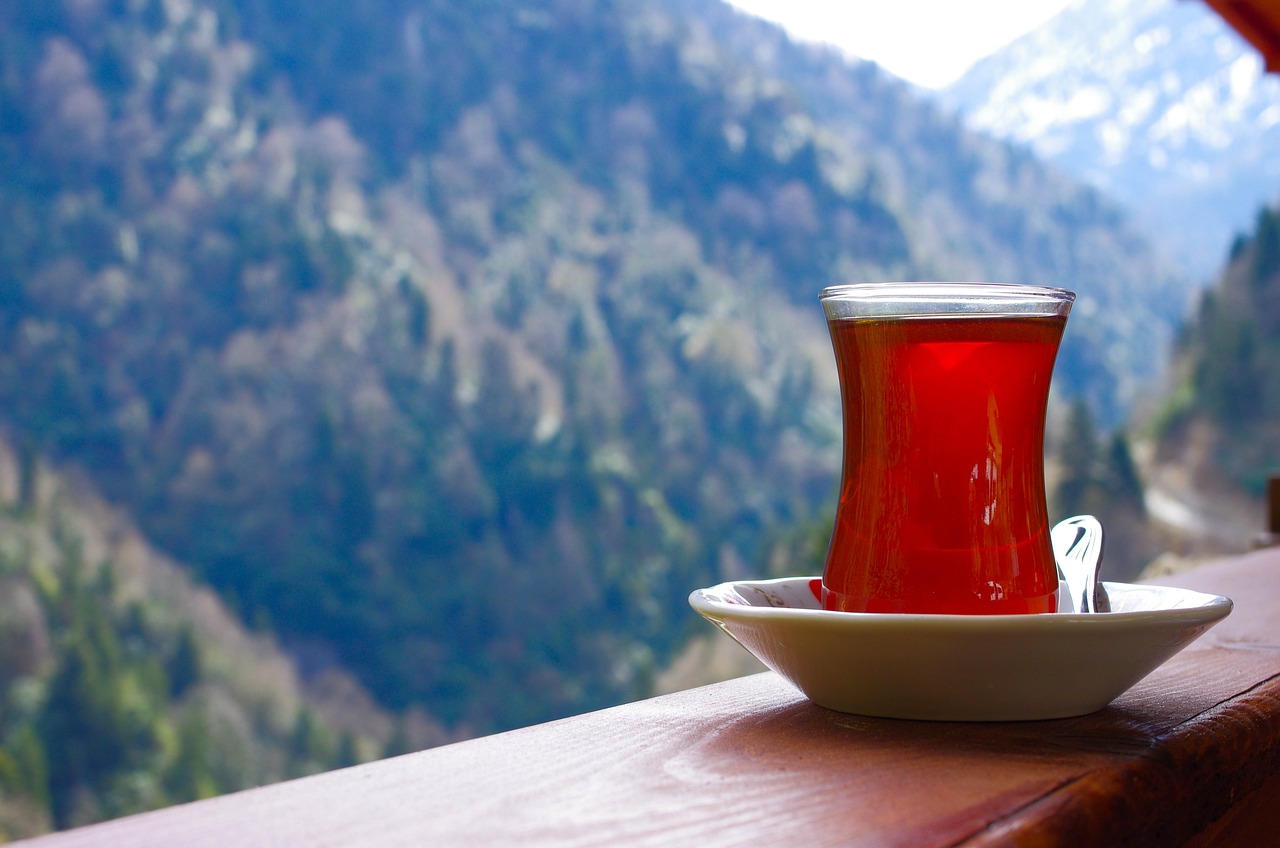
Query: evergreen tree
{"x": 308, "y": 750}
{"x": 1228, "y": 372}
{"x": 23, "y": 765}
{"x": 82, "y": 725}
{"x": 190, "y": 777}
{"x": 99, "y": 720}
{"x": 184, "y": 668}
{"x": 1266, "y": 246}
{"x": 1121, "y": 481}
{"x": 348, "y": 753}
{"x": 1078, "y": 456}
{"x": 28, "y": 470}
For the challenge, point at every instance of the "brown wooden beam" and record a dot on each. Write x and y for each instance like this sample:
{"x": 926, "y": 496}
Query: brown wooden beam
{"x": 1258, "y": 21}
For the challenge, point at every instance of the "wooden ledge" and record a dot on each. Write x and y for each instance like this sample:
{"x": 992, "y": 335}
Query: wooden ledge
{"x": 1189, "y": 755}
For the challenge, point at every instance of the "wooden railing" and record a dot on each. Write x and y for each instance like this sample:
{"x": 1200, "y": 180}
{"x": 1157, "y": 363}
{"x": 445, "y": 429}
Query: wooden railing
{"x": 1191, "y": 755}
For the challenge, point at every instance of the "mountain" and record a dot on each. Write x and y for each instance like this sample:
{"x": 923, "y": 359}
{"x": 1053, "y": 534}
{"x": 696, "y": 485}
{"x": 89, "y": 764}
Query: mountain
{"x": 1157, "y": 103}
{"x": 454, "y": 345}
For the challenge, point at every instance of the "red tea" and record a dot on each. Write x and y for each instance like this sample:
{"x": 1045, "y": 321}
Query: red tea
{"x": 942, "y": 500}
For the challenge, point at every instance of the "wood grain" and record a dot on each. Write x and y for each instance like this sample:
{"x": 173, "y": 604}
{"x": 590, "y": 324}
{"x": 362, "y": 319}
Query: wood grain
{"x": 1191, "y": 751}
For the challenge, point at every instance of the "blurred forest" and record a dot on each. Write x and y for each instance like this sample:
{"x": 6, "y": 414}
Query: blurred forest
{"x": 452, "y": 346}
{"x": 125, "y": 686}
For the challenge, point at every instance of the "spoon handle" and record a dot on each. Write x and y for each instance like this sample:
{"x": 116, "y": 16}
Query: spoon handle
{"x": 1077, "y": 547}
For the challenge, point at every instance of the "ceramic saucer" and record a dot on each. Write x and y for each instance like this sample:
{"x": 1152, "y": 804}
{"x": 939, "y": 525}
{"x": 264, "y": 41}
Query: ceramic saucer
{"x": 959, "y": 667}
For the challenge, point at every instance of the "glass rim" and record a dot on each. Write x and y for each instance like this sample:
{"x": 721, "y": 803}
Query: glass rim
{"x": 905, "y": 299}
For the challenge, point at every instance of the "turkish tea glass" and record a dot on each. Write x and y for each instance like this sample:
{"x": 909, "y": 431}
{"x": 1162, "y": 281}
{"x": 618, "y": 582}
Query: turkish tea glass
{"x": 944, "y": 390}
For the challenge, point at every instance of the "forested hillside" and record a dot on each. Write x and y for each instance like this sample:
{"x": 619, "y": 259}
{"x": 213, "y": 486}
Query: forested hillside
{"x": 454, "y": 344}
{"x": 1217, "y": 431}
{"x": 124, "y": 686}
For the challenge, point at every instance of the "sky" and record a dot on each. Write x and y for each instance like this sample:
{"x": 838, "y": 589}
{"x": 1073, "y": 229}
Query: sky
{"x": 928, "y": 42}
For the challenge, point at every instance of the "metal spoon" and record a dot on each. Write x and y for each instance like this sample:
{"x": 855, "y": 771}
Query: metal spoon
{"x": 1077, "y": 546}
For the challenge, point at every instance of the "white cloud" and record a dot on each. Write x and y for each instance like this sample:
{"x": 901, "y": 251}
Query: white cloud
{"x": 929, "y": 42}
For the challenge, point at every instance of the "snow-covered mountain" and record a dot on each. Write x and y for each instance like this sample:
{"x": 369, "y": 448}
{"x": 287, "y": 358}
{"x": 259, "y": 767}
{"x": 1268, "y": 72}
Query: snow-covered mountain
{"x": 1156, "y": 102}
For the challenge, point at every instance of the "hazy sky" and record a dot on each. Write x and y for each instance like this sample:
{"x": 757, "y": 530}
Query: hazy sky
{"x": 929, "y": 42}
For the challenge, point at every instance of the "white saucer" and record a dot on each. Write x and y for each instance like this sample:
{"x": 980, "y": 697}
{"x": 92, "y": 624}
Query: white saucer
{"x": 959, "y": 667}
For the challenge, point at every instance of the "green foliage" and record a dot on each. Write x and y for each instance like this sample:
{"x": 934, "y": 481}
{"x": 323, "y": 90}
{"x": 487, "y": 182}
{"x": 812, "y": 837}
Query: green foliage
{"x": 190, "y": 776}
{"x": 1228, "y": 372}
{"x": 1230, "y": 352}
{"x": 24, "y": 766}
{"x": 98, "y": 728}
{"x": 103, "y": 707}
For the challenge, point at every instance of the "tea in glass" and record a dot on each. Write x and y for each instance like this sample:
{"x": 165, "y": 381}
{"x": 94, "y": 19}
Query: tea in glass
{"x": 944, "y": 391}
